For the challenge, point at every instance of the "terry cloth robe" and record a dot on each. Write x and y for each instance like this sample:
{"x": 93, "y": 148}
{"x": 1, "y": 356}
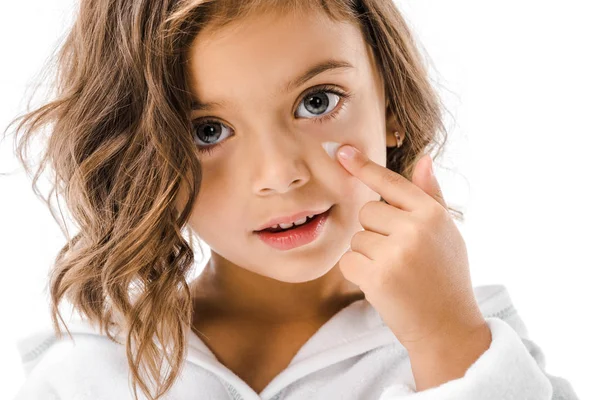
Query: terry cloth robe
{"x": 353, "y": 356}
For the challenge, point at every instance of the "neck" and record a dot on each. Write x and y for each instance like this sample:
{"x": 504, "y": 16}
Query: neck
{"x": 234, "y": 291}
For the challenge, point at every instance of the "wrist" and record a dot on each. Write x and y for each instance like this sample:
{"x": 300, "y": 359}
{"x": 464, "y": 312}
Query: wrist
{"x": 448, "y": 355}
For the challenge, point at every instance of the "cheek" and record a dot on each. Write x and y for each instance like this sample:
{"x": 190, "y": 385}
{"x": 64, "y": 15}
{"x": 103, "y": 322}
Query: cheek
{"x": 357, "y": 123}
{"x": 365, "y": 130}
{"x": 356, "y": 193}
{"x": 214, "y": 207}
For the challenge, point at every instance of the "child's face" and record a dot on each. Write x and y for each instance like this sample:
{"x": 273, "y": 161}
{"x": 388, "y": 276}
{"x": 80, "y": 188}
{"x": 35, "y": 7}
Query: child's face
{"x": 270, "y": 161}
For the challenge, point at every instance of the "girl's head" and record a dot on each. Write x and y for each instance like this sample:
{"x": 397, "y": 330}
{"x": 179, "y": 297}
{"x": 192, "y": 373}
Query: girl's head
{"x": 260, "y": 148}
{"x": 209, "y": 115}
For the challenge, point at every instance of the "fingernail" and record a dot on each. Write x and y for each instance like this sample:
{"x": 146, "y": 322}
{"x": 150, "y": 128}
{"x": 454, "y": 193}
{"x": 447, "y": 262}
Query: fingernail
{"x": 347, "y": 152}
{"x": 331, "y": 148}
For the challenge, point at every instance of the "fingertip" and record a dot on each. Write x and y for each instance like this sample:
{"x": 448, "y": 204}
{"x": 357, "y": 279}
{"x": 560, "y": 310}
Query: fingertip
{"x": 346, "y": 152}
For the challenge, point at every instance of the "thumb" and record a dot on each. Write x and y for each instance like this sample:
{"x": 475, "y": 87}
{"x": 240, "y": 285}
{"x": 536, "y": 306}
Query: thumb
{"x": 424, "y": 177}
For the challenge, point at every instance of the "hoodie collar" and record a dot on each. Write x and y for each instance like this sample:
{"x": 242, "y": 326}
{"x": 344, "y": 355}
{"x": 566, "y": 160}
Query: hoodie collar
{"x": 354, "y": 330}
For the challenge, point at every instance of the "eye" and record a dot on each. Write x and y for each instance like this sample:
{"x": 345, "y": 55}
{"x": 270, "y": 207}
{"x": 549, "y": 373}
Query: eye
{"x": 209, "y": 133}
{"x": 319, "y": 102}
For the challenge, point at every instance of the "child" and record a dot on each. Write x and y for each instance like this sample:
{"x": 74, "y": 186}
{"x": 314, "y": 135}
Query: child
{"x": 329, "y": 277}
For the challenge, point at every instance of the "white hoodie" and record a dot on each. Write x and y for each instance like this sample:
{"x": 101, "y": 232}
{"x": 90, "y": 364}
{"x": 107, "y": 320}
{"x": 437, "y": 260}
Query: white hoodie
{"x": 354, "y": 355}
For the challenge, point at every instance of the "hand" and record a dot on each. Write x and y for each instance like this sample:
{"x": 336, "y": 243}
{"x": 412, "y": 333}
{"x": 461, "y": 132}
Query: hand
{"x": 411, "y": 261}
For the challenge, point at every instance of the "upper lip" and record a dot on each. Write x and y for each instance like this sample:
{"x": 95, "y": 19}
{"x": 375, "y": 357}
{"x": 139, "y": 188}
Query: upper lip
{"x": 291, "y": 218}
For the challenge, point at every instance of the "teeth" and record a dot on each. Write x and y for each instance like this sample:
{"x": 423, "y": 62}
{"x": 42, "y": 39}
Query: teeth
{"x": 300, "y": 221}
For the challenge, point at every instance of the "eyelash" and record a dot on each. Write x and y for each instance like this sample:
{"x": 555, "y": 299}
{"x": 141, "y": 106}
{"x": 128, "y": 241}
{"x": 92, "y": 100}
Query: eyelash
{"x": 320, "y": 89}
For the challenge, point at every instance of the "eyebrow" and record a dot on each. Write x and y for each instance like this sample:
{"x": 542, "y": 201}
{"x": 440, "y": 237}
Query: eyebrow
{"x": 326, "y": 65}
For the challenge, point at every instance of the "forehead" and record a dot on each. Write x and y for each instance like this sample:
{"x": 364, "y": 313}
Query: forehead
{"x": 264, "y": 52}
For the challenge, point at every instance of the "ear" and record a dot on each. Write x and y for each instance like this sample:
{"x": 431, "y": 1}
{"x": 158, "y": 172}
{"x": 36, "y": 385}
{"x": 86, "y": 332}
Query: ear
{"x": 392, "y": 126}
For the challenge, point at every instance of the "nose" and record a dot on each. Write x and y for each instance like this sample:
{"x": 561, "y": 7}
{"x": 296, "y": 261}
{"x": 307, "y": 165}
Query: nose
{"x": 280, "y": 167}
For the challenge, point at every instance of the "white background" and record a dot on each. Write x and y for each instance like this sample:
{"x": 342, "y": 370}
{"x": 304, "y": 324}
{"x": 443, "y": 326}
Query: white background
{"x": 520, "y": 79}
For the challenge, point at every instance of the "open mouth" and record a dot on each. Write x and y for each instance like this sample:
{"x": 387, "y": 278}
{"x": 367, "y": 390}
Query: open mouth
{"x": 295, "y": 236}
{"x": 279, "y": 229}
{"x": 293, "y": 227}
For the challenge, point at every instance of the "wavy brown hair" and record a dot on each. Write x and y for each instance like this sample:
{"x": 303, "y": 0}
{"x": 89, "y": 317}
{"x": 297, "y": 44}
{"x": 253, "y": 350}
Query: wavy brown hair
{"x": 120, "y": 148}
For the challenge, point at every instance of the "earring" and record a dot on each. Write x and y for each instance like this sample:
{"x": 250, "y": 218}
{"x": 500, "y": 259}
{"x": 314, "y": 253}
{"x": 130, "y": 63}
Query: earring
{"x": 398, "y": 139}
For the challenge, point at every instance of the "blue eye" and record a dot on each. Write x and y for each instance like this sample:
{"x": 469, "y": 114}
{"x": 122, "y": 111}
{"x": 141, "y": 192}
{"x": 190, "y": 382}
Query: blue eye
{"x": 209, "y": 132}
{"x": 320, "y": 104}
{"x": 321, "y": 101}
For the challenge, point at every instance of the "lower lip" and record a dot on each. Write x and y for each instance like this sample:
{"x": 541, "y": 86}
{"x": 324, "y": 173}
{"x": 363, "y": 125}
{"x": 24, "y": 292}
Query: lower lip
{"x": 296, "y": 237}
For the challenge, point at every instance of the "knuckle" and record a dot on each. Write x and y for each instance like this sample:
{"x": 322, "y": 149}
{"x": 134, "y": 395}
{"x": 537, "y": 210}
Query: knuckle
{"x": 437, "y": 212}
{"x": 413, "y": 231}
{"x": 356, "y": 238}
{"x": 385, "y": 278}
{"x": 410, "y": 242}
{"x": 401, "y": 251}
{"x": 344, "y": 259}
{"x": 353, "y": 242}
{"x": 347, "y": 261}
{"x": 362, "y": 214}
{"x": 366, "y": 210}
{"x": 391, "y": 178}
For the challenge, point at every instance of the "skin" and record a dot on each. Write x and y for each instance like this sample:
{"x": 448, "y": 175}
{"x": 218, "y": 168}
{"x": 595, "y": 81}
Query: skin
{"x": 411, "y": 262}
{"x": 271, "y": 163}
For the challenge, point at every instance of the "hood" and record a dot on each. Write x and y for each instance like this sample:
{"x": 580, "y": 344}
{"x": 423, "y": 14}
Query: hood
{"x": 354, "y": 330}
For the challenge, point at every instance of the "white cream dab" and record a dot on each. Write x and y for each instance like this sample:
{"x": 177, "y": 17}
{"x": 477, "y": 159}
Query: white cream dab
{"x": 331, "y": 148}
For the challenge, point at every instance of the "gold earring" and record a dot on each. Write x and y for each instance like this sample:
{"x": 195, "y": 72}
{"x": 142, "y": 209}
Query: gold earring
{"x": 399, "y": 140}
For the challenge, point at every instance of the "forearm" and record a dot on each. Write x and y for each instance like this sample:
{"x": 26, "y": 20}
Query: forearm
{"x": 448, "y": 357}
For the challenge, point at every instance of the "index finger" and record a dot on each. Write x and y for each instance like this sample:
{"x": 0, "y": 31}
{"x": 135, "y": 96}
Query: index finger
{"x": 393, "y": 187}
